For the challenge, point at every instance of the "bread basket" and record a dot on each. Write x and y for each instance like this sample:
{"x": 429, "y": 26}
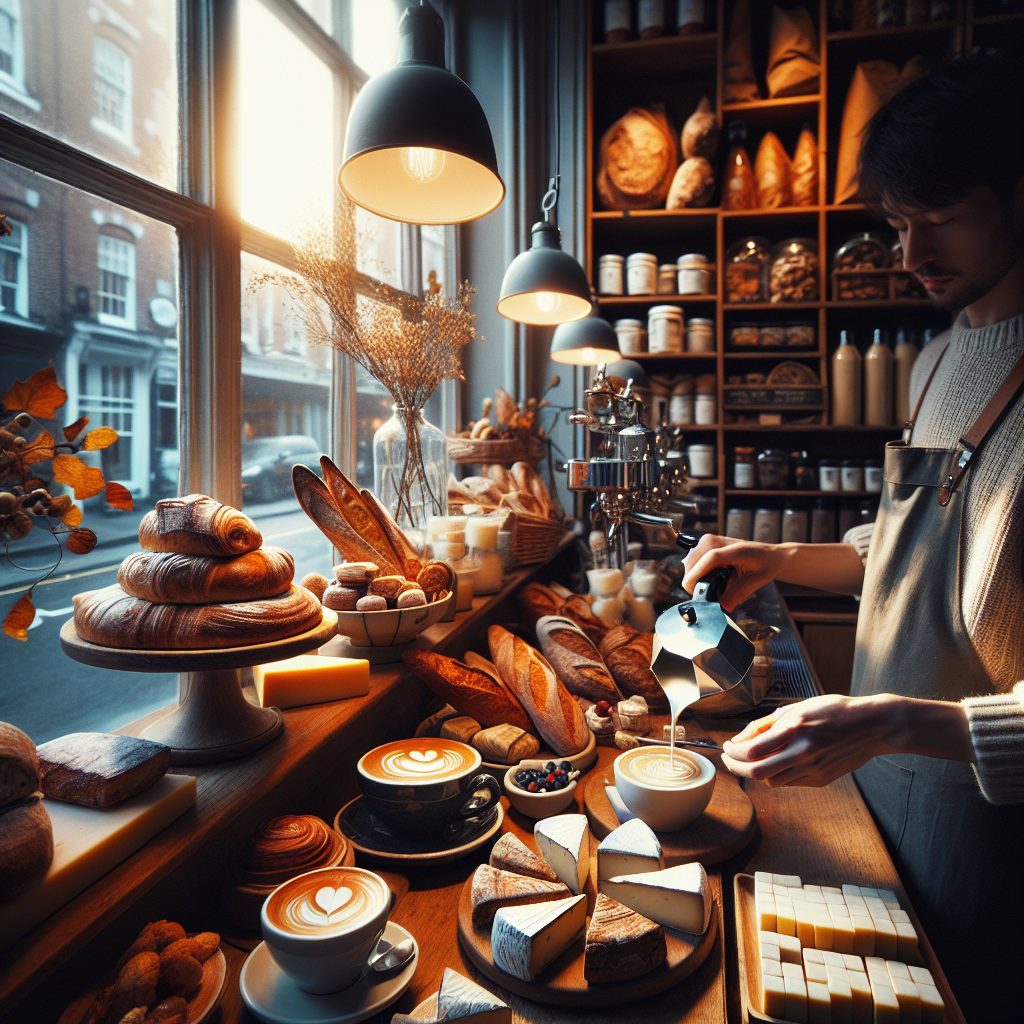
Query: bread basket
{"x": 476, "y": 451}
{"x": 534, "y": 538}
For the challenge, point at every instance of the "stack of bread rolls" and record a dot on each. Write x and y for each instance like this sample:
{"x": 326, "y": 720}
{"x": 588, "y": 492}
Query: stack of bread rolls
{"x": 202, "y": 581}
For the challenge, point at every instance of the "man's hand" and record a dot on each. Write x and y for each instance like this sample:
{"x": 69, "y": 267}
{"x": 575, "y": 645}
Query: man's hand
{"x": 754, "y": 565}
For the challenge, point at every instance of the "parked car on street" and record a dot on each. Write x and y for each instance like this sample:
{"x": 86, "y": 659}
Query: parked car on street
{"x": 267, "y": 465}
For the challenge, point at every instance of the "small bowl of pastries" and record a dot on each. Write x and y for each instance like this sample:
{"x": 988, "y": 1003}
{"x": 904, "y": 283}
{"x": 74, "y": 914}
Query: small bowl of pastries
{"x": 377, "y": 609}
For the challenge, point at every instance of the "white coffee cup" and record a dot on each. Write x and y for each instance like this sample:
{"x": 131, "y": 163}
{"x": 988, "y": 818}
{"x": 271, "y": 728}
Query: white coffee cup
{"x": 667, "y": 799}
{"x": 321, "y": 927}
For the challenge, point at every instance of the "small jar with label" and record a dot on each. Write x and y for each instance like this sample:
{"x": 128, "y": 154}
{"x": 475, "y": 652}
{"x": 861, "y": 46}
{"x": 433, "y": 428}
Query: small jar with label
{"x": 631, "y": 336}
{"x": 767, "y": 526}
{"x": 745, "y": 335}
{"x": 705, "y": 409}
{"x": 616, "y": 21}
{"x": 482, "y": 538}
{"x": 828, "y": 475}
{"x": 689, "y": 16}
{"x": 650, "y": 18}
{"x": 773, "y": 470}
{"x": 739, "y": 524}
{"x": 795, "y": 525}
{"x": 641, "y": 274}
{"x": 873, "y": 475}
{"x": 823, "y": 523}
{"x": 610, "y": 268}
{"x": 743, "y": 468}
{"x": 664, "y": 330}
{"x": 800, "y": 334}
{"x": 465, "y": 572}
{"x": 771, "y": 336}
{"x": 804, "y": 477}
{"x": 681, "y": 404}
{"x": 702, "y": 461}
{"x": 851, "y": 475}
{"x": 700, "y": 334}
{"x": 694, "y": 274}
{"x": 667, "y": 279}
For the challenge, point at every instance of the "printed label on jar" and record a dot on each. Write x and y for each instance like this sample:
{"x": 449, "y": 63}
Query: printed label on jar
{"x": 828, "y": 478}
{"x": 616, "y": 15}
{"x": 743, "y": 474}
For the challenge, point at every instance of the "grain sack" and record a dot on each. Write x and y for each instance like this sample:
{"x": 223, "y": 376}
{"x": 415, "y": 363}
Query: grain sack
{"x": 805, "y": 170}
{"x": 740, "y": 82}
{"x": 794, "y": 66}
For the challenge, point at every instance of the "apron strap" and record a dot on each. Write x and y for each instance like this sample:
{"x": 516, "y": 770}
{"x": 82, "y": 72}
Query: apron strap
{"x": 908, "y": 427}
{"x": 983, "y": 426}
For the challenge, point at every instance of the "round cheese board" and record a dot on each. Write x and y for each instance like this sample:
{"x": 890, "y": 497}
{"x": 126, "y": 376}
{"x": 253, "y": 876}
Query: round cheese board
{"x": 562, "y": 982}
{"x": 726, "y": 826}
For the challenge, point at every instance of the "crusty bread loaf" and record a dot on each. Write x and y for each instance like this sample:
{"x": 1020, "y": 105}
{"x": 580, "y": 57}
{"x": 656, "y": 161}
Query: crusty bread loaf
{"x": 112, "y": 618}
{"x": 169, "y": 578}
{"x": 198, "y": 525}
{"x": 528, "y": 479}
{"x": 700, "y": 133}
{"x": 575, "y": 659}
{"x": 773, "y": 173}
{"x": 536, "y": 600}
{"x": 501, "y": 475}
{"x": 468, "y": 690}
{"x": 527, "y": 674}
{"x": 525, "y": 503}
{"x": 26, "y": 847}
{"x": 627, "y": 653}
{"x": 19, "y": 766}
{"x": 637, "y": 159}
{"x": 578, "y": 609}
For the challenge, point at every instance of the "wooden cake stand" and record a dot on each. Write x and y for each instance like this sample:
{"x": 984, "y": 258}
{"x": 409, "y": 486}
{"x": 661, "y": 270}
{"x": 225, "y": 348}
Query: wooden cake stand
{"x": 213, "y": 721}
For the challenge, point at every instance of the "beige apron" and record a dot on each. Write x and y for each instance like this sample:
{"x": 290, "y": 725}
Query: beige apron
{"x": 960, "y": 858}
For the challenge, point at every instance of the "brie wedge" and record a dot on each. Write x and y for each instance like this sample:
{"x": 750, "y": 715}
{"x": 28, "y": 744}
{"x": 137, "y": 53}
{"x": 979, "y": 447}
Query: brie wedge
{"x": 678, "y": 897}
{"x": 564, "y": 842}
{"x": 463, "y": 1000}
{"x": 510, "y": 853}
{"x": 493, "y": 889}
{"x": 524, "y": 940}
{"x": 621, "y": 944}
{"x": 631, "y": 849}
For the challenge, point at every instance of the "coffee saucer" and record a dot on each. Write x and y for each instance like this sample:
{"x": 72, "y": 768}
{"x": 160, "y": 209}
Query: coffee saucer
{"x": 372, "y": 838}
{"x": 274, "y": 998}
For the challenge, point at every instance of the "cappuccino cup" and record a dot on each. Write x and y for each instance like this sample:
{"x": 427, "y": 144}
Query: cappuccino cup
{"x": 665, "y": 793}
{"x": 422, "y": 786}
{"x": 321, "y": 927}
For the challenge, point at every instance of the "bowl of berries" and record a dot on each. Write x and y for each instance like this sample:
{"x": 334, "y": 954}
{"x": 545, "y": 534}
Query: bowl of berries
{"x": 539, "y": 789}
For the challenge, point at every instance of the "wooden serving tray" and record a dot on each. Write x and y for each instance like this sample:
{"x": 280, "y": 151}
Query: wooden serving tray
{"x": 725, "y": 827}
{"x": 562, "y": 982}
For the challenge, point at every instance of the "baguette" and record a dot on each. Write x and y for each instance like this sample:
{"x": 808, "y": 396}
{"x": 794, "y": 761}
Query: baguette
{"x": 501, "y": 476}
{"x": 468, "y": 690}
{"x": 170, "y": 578}
{"x": 535, "y": 601}
{"x": 26, "y": 847}
{"x": 576, "y": 660}
{"x": 557, "y": 716}
{"x": 578, "y": 609}
{"x": 401, "y": 544}
{"x": 528, "y": 479}
{"x": 627, "y": 653}
{"x": 19, "y": 766}
{"x": 198, "y": 525}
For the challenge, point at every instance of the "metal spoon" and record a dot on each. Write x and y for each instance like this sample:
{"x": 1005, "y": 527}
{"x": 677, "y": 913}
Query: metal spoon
{"x": 393, "y": 956}
{"x": 699, "y": 744}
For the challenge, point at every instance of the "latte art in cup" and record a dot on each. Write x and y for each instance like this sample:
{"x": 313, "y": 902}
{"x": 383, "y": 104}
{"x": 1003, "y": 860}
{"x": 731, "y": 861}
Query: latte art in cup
{"x": 326, "y": 903}
{"x": 426, "y": 759}
{"x": 657, "y": 768}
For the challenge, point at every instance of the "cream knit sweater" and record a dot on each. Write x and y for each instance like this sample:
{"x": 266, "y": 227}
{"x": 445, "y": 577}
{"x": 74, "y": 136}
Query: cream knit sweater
{"x": 992, "y": 584}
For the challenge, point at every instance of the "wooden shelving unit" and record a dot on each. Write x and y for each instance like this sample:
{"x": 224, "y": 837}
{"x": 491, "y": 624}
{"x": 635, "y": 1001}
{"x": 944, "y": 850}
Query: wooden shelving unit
{"x": 677, "y": 71}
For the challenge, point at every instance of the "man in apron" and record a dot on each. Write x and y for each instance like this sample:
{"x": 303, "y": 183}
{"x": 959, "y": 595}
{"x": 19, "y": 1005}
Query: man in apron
{"x": 934, "y": 727}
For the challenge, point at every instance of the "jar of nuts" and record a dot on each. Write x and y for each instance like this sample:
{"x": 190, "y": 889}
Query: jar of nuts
{"x": 746, "y": 264}
{"x": 861, "y": 252}
{"x": 794, "y": 271}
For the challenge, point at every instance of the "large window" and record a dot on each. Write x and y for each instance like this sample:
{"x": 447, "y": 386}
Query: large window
{"x": 116, "y": 261}
{"x": 14, "y": 270}
{"x": 112, "y": 89}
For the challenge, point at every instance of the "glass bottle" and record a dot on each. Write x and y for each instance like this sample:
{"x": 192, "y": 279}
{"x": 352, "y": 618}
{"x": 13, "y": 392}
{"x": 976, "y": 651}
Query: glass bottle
{"x": 878, "y": 383}
{"x": 904, "y": 356}
{"x": 846, "y": 382}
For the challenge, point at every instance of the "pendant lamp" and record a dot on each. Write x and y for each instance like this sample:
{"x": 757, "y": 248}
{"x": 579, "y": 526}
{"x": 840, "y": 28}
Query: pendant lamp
{"x": 628, "y": 369}
{"x": 585, "y": 342}
{"x": 418, "y": 148}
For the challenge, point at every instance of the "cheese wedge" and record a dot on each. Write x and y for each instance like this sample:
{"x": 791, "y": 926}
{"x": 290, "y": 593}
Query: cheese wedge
{"x": 525, "y": 940}
{"x": 310, "y": 679}
{"x": 678, "y": 897}
{"x": 493, "y": 889}
{"x": 631, "y": 849}
{"x": 564, "y": 842}
{"x": 510, "y": 853}
{"x": 462, "y": 999}
{"x": 621, "y": 944}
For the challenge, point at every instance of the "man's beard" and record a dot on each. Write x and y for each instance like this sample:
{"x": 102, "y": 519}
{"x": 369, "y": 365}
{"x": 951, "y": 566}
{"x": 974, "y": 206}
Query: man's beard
{"x": 963, "y": 291}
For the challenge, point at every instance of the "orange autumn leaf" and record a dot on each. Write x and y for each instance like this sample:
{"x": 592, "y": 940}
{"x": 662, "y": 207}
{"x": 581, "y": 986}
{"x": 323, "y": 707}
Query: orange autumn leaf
{"x": 40, "y": 395}
{"x": 19, "y": 618}
{"x": 72, "y": 517}
{"x": 118, "y": 496}
{"x": 71, "y": 470}
{"x": 39, "y": 450}
{"x": 81, "y": 541}
{"x": 72, "y": 431}
{"x": 101, "y": 437}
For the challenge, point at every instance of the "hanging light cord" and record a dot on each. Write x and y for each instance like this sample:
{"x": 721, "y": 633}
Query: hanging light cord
{"x": 550, "y": 200}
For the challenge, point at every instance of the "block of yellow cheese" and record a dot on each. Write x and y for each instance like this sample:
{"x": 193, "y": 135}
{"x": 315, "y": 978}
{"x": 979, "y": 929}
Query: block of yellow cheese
{"x": 819, "y": 1005}
{"x": 796, "y": 1000}
{"x": 860, "y": 994}
{"x": 906, "y": 943}
{"x": 765, "y": 906}
{"x": 932, "y": 1008}
{"x": 310, "y": 679}
{"x": 815, "y": 972}
{"x": 770, "y": 968}
{"x": 886, "y": 1005}
{"x": 773, "y": 996}
{"x": 840, "y": 995}
{"x": 909, "y": 999}
{"x": 789, "y": 949}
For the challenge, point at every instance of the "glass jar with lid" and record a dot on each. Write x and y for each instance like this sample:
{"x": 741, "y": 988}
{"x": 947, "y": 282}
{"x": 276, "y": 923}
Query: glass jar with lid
{"x": 864, "y": 251}
{"x": 773, "y": 470}
{"x": 702, "y": 460}
{"x": 650, "y": 18}
{"x": 681, "y": 403}
{"x": 616, "y": 21}
{"x": 804, "y": 477}
{"x": 800, "y": 334}
{"x": 739, "y": 524}
{"x": 851, "y": 475}
{"x": 743, "y": 467}
{"x": 610, "y": 269}
{"x": 641, "y": 274}
{"x": 667, "y": 279}
{"x": 664, "y": 330}
{"x": 795, "y": 525}
{"x": 794, "y": 271}
{"x": 771, "y": 336}
{"x": 700, "y": 334}
{"x": 746, "y": 268}
{"x": 695, "y": 274}
{"x": 631, "y": 336}
{"x": 767, "y": 526}
{"x": 828, "y": 475}
{"x": 744, "y": 335}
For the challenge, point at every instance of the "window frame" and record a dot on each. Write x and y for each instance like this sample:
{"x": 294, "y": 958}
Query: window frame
{"x": 112, "y": 319}
{"x": 12, "y": 83}
{"x": 20, "y": 309}
{"x": 126, "y": 133}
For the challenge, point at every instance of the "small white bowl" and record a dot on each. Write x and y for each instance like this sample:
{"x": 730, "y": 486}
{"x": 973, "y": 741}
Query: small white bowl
{"x": 537, "y": 805}
{"x": 391, "y": 626}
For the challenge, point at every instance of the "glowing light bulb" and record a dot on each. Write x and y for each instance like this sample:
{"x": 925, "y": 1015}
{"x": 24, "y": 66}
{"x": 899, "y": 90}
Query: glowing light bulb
{"x": 422, "y": 165}
{"x": 588, "y": 355}
{"x": 547, "y": 302}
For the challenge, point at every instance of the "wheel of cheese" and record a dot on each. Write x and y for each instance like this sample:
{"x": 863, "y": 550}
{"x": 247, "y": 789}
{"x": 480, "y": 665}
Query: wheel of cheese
{"x": 171, "y": 578}
{"x": 112, "y": 618}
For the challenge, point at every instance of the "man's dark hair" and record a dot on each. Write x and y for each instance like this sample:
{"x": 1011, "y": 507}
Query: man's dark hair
{"x": 957, "y": 128}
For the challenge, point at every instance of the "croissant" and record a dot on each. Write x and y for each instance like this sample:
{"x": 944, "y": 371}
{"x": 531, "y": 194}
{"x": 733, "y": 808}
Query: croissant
{"x": 198, "y": 525}
{"x": 168, "y": 578}
{"x": 575, "y": 659}
{"x": 627, "y": 653}
{"x": 285, "y": 847}
{"x": 112, "y": 618}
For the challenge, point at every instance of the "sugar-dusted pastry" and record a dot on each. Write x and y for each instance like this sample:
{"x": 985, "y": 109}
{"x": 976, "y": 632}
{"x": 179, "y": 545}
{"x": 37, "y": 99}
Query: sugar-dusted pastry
{"x": 411, "y": 598}
{"x": 356, "y": 574}
{"x": 372, "y": 603}
{"x": 341, "y": 599}
{"x": 198, "y": 525}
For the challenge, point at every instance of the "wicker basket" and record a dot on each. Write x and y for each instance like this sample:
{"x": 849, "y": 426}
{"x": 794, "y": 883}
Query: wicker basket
{"x": 475, "y": 451}
{"x": 534, "y": 538}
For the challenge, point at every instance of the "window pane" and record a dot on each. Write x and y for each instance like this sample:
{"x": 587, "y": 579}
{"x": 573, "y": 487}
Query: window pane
{"x": 432, "y": 246}
{"x": 286, "y": 393}
{"x": 288, "y": 152}
{"x": 375, "y": 33}
{"x": 72, "y": 256}
{"x": 320, "y": 12}
{"x": 101, "y": 76}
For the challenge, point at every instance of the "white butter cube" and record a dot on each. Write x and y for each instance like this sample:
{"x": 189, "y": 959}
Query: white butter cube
{"x": 886, "y": 1005}
{"x": 860, "y": 994}
{"x": 932, "y": 1008}
{"x": 864, "y": 936}
{"x": 760, "y": 887}
{"x": 874, "y": 963}
{"x": 765, "y": 909}
{"x": 843, "y": 934}
{"x": 851, "y": 890}
{"x": 770, "y": 968}
{"x": 888, "y": 896}
{"x": 813, "y": 956}
{"x": 796, "y": 1000}
{"x": 823, "y": 931}
{"x": 867, "y": 891}
{"x": 793, "y": 881}
{"x": 853, "y": 963}
{"x": 898, "y": 970}
{"x": 811, "y": 888}
{"x": 834, "y": 897}
{"x": 856, "y": 905}
{"x": 804, "y": 925}
{"x": 785, "y": 918}
{"x": 898, "y": 916}
{"x": 814, "y": 895}
{"x": 815, "y": 972}
{"x": 819, "y": 1004}
{"x": 909, "y": 999}
{"x": 763, "y": 876}
{"x": 832, "y": 959}
{"x": 792, "y": 970}
{"x": 840, "y": 995}
{"x": 780, "y": 890}
{"x": 773, "y": 996}
{"x": 886, "y": 944}
{"x": 789, "y": 949}
{"x": 769, "y": 949}
{"x": 906, "y": 943}
{"x": 921, "y": 975}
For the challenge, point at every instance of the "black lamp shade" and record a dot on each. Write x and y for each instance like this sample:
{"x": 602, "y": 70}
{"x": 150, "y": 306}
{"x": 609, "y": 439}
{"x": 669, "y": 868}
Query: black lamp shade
{"x": 585, "y": 342}
{"x": 544, "y": 285}
{"x": 627, "y": 369}
{"x": 418, "y": 148}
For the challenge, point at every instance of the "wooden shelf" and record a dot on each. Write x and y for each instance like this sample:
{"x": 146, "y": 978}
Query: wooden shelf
{"x": 664, "y": 55}
{"x": 775, "y": 211}
{"x": 879, "y": 304}
{"x": 807, "y": 428}
{"x": 699, "y": 481}
{"x": 807, "y": 353}
{"x": 782, "y": 104}
{"x": 651, "y": 300}
{"x": 1010, "y": 17}
{"x": 741, "y": 491}
{"x": 782, "y": 307}
{"x": 856, "y": 35}
{"x": 697, "y": 213}
{"x": 657, "y": 356}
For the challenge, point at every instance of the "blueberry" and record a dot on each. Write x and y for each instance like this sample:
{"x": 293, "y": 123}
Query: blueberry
{"x": 565, "y": 766}
{"x": 550, "y": 766}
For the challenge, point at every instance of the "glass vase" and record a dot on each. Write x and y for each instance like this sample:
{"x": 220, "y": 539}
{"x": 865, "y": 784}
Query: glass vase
{"x": 410, "y": 470}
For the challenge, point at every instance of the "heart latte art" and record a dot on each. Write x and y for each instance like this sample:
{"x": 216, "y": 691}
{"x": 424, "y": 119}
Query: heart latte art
{"x": 656, "y": 768}
{"x": 426, "y": 759}
{"x": 323, "y": 903}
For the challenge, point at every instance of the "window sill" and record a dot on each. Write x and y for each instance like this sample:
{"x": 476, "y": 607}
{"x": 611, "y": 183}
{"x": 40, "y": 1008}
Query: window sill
{"x": 288, "y": 776}
{"x": 10, "y": 88}
{"x": 109, "y": 320}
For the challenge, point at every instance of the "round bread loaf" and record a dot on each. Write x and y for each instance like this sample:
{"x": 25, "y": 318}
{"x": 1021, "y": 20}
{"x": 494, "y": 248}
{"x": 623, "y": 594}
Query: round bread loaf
{"x": 112, "y": 618}
{"x": 198, "y": 525}
{"x": 170, "y": 578}
{"x": 19, "y": 765}
{"x": 26, "y": 847}
{"x": 637, "y": 160}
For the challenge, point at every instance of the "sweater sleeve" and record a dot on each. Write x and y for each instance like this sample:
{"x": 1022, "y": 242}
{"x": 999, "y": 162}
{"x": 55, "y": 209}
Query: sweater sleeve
{"x": 860, "y": 537}
{"x": 997, "y": 732}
